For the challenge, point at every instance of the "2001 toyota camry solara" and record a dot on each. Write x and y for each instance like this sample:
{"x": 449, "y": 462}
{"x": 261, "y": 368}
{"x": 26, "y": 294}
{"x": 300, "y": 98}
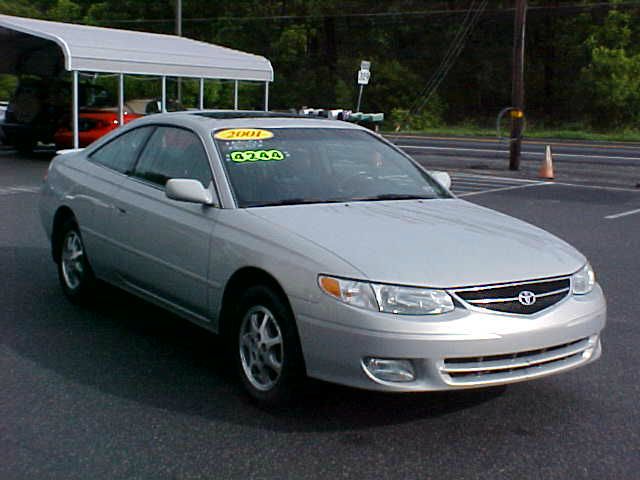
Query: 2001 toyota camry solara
{"x": 318, "y": 248}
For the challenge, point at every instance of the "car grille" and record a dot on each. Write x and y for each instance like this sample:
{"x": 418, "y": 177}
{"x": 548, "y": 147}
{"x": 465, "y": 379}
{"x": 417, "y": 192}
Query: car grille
{"x": 504, "y": 298}
{"x": 517, "y": 366}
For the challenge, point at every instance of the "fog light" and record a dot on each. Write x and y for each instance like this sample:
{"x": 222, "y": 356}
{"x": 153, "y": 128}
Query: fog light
{"x": 389, "y": 370}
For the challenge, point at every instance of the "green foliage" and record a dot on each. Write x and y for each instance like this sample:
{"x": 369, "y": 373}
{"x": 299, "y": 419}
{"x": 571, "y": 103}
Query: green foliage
{"x": 581, "y": 69}
{"x": 8, "y": 85}
{"x": 429, "y": 117}
{"x": 612, "y": 77}
{"x": 20, "y": 8}
{"x": 345, "y": 94}
{"x": 391, "y": 84}
{"x": 65, "y": 11}
{"x": 291, "y": 45}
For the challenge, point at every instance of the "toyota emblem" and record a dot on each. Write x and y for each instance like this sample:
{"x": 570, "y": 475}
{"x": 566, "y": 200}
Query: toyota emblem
{"x": 527, "y": 298}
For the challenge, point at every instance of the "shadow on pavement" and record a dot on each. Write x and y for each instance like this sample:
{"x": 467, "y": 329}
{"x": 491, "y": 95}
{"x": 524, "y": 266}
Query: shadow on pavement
{"x": 130, "y": 349}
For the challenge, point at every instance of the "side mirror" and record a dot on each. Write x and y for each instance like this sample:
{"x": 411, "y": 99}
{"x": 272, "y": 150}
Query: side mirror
{"x": 188, "y": 190}
{"x": 442, "y": 178}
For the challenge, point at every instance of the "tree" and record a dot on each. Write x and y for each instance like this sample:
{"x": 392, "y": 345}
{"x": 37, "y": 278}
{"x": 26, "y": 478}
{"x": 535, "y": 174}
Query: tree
{"x": 612, "y": 77}
{"x": 65, "y": 11}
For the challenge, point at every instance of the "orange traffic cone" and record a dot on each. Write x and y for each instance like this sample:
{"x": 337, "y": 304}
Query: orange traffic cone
{"x": 546, "y": 169}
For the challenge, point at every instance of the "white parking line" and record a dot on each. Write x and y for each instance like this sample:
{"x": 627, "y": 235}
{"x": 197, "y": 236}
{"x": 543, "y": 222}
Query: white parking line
{"x": 465, "y": 184}
{"x": 16, "y": 190}
{"x": 461, "y": 175}
{"x": 599, "y": 187}
{"x": 503, "y": 189}
{"x": 623, "y": 214}
{"x": 484, "y": 184}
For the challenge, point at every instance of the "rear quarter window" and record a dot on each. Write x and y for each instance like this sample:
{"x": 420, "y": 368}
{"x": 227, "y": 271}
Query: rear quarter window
{"x": 121, "y": 153}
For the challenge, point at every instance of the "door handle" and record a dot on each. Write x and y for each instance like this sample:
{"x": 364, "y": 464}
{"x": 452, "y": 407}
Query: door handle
{"x": 121, "y": 210}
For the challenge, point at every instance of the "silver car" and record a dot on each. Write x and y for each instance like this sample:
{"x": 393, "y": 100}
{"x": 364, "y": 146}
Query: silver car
{"x": 317, "y": 248}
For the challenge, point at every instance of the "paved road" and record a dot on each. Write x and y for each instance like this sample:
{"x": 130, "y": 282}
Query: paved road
{"x": 565, "y": 151}
{"x": 126, "y": 391}
{"x": 599, "y": 163}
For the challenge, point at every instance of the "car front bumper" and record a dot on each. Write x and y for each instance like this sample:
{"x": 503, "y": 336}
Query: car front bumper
{"x": 461, "y": 349}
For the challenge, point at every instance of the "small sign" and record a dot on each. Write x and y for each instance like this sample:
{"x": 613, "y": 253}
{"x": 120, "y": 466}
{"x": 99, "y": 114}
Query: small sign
{"x": 243, "y": 134}
{"x": 363, "y": 77}
{"x": 364, "y": 65}
{"x": 256, "y": 155}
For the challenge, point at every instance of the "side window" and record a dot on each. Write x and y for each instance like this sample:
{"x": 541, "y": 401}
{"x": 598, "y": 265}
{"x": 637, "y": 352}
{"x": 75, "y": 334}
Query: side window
{"x": 173, "y": 153}
{"x": 121, "y": 153}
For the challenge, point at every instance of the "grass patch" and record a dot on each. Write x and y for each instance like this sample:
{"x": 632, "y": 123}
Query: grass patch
{"x": 559, "y": 133}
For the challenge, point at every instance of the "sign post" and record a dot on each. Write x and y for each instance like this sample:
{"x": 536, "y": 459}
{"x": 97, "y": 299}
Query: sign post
{"x": 363, "y": 79}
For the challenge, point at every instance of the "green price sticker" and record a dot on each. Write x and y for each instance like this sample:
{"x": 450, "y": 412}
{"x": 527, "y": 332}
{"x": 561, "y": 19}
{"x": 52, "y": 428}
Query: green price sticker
{"x": 256, "y": 156}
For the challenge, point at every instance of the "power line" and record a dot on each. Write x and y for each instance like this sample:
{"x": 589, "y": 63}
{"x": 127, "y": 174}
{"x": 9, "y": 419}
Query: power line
{"x": 451, "y": 58}
{"x": 571, "y": 7}
{"x": 449, "y": 52}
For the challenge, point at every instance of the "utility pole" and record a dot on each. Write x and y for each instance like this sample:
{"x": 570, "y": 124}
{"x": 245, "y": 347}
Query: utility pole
{"x": 179, "y": 18}
{"x": 517, "y": 85}
{"x": 179, "y": 34}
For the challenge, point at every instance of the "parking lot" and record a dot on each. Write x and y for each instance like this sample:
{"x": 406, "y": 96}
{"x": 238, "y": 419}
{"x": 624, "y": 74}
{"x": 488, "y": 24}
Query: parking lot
{"x": 125, "y": 390}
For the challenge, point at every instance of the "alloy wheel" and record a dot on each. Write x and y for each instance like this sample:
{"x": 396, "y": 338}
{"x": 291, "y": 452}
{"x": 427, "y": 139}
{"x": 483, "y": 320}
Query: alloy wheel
{"x": 261, "y": 348}
{"x": 72, "y": 260}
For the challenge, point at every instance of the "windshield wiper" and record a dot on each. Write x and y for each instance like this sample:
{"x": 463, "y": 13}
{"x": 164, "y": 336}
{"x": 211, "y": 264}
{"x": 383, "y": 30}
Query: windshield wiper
{"x": 392, "y": 196}
{"x": 297, "y": 201}
{"x": 384, "y": 196}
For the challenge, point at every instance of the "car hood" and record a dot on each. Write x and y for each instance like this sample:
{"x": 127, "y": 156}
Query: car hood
{"x": 438, "y": 243}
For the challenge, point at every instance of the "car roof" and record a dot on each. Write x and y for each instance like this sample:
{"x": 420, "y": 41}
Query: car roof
{"x": 215, "y": 119}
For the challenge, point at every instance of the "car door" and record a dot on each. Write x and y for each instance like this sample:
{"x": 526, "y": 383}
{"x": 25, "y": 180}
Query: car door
{"x": 167, "y": 242}
{"x": 105, "y": 170}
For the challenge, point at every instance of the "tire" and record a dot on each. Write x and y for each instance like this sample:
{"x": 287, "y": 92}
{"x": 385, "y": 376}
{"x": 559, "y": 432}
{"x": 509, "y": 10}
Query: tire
{"x": 74, "y": 272}
{"x": 267, "y": 348}
{"x": 25, "y": 147}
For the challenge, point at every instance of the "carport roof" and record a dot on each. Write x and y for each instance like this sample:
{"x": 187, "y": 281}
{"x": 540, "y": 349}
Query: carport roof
{"x": 96, "y": 49}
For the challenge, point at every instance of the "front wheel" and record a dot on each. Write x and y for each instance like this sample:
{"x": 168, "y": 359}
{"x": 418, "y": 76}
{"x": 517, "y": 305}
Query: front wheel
{"x": 269, "y": 357}
{"x": 74, "y": 272}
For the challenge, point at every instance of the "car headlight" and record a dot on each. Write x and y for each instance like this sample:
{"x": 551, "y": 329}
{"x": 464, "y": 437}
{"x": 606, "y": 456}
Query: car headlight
{"x": 387, "y": 298}
{"x": 358, "y": 294}
{"x": 583, "y": 280}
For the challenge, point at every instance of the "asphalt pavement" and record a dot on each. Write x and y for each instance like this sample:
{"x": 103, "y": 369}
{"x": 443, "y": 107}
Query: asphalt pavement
{"x": 124, "y": 390}
{"x": 592, "y": 163}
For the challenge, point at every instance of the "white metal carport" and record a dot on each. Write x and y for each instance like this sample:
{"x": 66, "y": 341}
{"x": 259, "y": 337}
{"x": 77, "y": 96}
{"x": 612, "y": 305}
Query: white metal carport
{"x": 43, "y": 47}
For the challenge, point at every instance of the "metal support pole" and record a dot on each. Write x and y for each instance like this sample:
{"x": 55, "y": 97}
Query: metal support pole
{"x": 74, "y": 114}
{"x": 121, "y": 100}
{"x": 359, "y": 98}
{"x": 201, "y": 98}
{"x": 517, "y": 86}
{"x": 266, "y": 96}
{"x": 179, "y": 34}
{"x": 235, "y": 95}
{"x": 164, "y": 94}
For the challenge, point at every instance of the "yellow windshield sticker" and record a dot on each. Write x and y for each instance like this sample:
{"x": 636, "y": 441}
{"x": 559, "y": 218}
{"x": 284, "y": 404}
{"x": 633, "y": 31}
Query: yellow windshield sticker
{"x": 256, "y": 156}
{"x": 243, "y": 134}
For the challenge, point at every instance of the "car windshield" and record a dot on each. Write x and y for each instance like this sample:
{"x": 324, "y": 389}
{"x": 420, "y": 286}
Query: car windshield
{"x": 286, "y": 166}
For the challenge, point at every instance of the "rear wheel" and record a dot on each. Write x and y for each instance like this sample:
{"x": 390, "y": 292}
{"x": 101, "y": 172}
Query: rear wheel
{"x": 74, "y": 272}
{"x": 268, "y": 354}
{"x": 25, "y": 146}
